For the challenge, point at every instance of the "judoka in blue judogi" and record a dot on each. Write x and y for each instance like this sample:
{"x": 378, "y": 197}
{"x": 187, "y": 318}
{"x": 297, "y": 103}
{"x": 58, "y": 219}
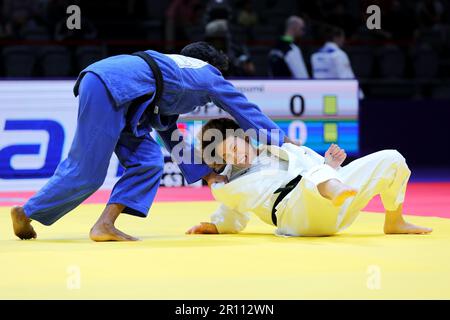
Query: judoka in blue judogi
{"x": 114, "y": 98}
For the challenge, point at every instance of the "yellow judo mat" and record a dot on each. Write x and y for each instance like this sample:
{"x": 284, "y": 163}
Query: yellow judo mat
{"x": 359, "y": 263}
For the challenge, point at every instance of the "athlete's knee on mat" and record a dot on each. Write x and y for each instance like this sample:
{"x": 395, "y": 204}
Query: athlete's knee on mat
{"x": 318, "y": 232}
{"x": 400, "y": 162}
{"x": 307, "y": 231}
{"x": 328, "y": 234}
{"x": 392, "y": 156}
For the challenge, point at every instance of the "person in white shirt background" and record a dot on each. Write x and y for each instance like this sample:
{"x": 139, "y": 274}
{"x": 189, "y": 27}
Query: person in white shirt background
{"x": 330, "y": 61}
{"x": 322, "y": 198}
{"x": 286, "y": 58}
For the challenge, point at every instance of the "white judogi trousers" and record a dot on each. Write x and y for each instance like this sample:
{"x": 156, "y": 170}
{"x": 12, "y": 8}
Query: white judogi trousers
{"x": 304, "y": 212}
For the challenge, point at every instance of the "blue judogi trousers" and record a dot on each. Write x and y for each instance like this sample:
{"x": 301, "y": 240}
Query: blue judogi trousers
{"x": 101, "y": 130}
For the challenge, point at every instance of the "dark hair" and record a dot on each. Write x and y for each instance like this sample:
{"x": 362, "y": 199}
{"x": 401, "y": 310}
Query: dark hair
{"x": 226, "y": 127}
{"x": 206, "y": 52}
{"x": 328, "y": 32}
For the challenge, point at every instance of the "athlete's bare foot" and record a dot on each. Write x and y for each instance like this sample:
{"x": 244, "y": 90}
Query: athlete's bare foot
{"x": 343, "y": 193}
{"x": 108, "y": 232}
{"x": 336, "y": 191}
{"x": 22, "y": 224}
{"x": 104, "y": 229}
{"x": 395, "y": 224}
{"x": 403, "y": 227}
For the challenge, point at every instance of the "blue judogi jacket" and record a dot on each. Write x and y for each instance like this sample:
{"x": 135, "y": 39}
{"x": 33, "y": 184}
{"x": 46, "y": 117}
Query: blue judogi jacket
{"x": 188, "y": 83}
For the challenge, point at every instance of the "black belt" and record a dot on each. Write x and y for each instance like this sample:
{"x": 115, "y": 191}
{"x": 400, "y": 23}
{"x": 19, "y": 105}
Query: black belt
{"x": 283, "y": 193}
{"x": 159, "y": 84}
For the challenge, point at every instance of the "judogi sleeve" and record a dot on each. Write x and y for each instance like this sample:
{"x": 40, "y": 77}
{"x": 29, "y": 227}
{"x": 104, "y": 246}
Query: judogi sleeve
{"x": 317, "y": 171}
{"x": 228, "y": 220}
{"x": 317, "y": 158}
{"x": 247, "y": 114}
{"x": 186, "y": 158}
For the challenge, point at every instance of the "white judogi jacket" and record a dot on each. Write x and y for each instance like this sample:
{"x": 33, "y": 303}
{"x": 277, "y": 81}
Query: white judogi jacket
{"x": 254, "y": 192}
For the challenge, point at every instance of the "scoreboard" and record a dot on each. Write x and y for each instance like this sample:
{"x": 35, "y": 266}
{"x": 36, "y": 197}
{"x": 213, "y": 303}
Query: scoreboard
{"x": 313, "y": 112}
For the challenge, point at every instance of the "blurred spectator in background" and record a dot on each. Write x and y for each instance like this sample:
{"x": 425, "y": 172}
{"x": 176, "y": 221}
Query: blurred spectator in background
{"x": 429, "y": 12}
{"x": 286, "y": 59}
{"x": 2, "y": 30}
{"x": 2, "y": 22}
{"x": 25, "y": 19}
{"x": 218, "y": 10}
{"x": 314, "y": 10}
{"x": 432, "y": 29}
{"x": 88, "y": 30}
{"x": 248, "y": 17}
{"x": 56, "y": 9}
{"x": 181, "y": 14}
{"x": 217, "y": 34}
{"x": 330, "y": 61}
{"x": 340, "y": 17}
{"x": 398, "y": 20}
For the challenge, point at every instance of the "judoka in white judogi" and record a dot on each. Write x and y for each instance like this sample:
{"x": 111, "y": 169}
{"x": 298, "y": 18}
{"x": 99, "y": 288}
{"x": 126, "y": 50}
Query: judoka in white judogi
{"x": 304, "y": 212}
{"x": 326, "y": 200}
